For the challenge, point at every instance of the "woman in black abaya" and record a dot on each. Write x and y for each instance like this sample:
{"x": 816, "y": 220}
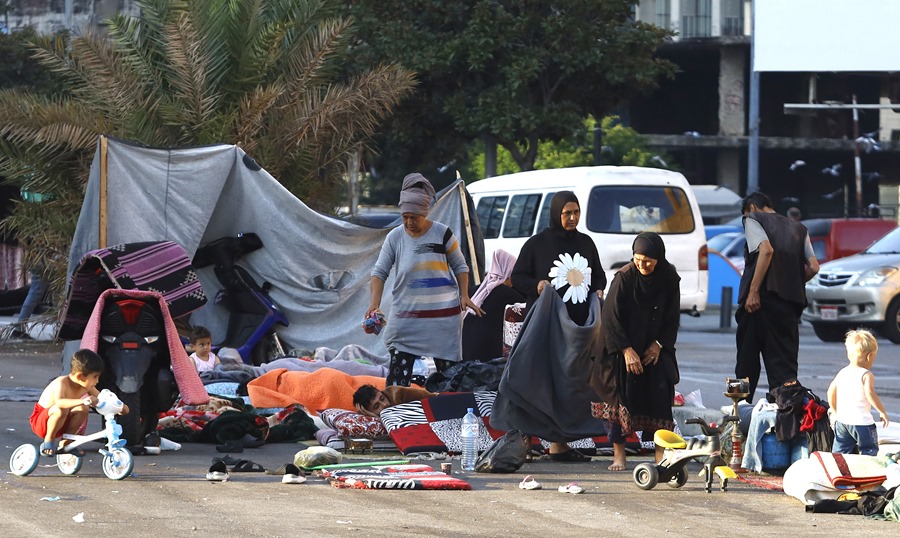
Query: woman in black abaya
{"x": 563, "y": 258}
{"x": 636, "y": 372}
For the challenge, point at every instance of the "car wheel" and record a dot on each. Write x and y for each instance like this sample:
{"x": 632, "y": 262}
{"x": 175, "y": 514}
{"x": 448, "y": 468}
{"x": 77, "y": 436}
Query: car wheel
{"x": 830, "y": 332}
{"x": 892, "y": 322}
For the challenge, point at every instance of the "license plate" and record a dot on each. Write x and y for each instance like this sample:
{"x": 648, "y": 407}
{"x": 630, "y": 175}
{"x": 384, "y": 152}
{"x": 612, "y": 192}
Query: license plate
{"x": 829, "y": 313}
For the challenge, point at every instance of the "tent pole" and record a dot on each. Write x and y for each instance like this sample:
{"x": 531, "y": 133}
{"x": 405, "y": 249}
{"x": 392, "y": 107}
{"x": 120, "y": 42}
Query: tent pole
{"x": 468, "y": 224}
{"x": 103, "y": 214}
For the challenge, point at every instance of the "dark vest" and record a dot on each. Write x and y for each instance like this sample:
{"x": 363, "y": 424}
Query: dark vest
{"x": 785, "y": 277}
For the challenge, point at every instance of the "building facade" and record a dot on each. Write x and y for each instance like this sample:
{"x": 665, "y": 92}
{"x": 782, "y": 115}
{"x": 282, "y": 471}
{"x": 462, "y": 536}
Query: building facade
{"x": 702, "y": 116}
{"x": 51, "y": 16}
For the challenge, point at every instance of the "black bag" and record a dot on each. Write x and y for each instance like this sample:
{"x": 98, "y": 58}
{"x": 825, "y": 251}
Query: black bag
{"x": 505, "y": 455}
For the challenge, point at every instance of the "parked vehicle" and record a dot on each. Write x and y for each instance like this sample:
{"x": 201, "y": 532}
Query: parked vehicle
{"x": 862, "y": 290}
{"x": 252, "y": 314}
{"x": 731, "y": 246}
{"x": 837, "y": 238}
{"x": 712, "y": 230}
{"x": 617, "y": 203}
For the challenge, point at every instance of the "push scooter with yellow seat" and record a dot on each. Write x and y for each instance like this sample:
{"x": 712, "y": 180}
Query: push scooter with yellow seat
{"x": 679, "y": 451}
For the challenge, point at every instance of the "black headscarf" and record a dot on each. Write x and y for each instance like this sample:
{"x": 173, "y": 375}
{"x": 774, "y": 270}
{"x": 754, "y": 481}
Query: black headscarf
{"x": 648, "y": 287}
{"x": 557, "y": 203}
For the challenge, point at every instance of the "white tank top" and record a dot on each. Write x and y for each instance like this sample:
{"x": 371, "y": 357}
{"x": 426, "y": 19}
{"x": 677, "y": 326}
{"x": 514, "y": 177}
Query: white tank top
{"x": 853, "y": 408}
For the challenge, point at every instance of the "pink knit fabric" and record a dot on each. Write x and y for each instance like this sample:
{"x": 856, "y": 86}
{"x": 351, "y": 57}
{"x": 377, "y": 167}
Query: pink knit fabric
{"x": 189, "y": 385}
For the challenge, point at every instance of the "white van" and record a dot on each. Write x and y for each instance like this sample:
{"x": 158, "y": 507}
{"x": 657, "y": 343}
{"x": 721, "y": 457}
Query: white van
{"x": 617, "y": 203}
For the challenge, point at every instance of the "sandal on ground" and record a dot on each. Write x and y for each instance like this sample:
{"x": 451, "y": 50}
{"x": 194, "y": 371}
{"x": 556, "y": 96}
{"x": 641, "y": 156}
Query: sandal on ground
{"x": 529, "y": 483}
{"x": 283, "y": 469}
{"x": 570, "y": 456}
{"x": 572, "y": 488}
{"x": 48, "y": 449}
{"x": 228, "y": 459}
{"x": 233, "y": 446}
{"x": 292, "y": 475}
{"x": 247, "y": 466}
{"x": 217, "y": 472}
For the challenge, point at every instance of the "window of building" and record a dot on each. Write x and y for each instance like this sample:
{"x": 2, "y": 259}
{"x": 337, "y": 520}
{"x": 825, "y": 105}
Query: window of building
{"x": 696, "y": 18}
{"x": 732, "y": 17}
{"x": 490, "y": 215}
{"x": 523, "y": 210}
{"x": 664, "y": 14}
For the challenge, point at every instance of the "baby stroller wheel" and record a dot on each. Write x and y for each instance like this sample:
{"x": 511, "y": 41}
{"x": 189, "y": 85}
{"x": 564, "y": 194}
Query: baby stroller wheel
{"x": 24, "y": 460}
{"x": 679, "y": 479}
{"x": 118, "y": 464}
{"x": 646, "y": 475}
{"x": 69, "y": 463}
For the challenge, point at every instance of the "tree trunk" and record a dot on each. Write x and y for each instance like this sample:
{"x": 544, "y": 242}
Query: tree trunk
{"x": 490, "y": 156}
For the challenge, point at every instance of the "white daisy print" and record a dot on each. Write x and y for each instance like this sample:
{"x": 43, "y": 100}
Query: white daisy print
{"x": 572, "y": 271}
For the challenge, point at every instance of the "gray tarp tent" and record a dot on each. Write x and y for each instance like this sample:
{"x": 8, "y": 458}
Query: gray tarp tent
{"x": 319, "y": 266}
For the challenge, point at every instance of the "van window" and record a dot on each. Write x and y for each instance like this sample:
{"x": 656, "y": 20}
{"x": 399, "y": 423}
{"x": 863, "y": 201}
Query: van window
{"x": 490, "y": 215}
{"x": 544, "y": 217}
{"x": 633, "y": 209}
{"x": 521, "y": 215}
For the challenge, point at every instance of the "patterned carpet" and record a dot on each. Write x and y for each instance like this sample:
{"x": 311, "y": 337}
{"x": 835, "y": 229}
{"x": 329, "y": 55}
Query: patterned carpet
{"x": 771, "y": 482}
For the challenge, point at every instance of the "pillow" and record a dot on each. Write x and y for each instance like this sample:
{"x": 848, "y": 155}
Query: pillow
{"x": 352, "y": 424}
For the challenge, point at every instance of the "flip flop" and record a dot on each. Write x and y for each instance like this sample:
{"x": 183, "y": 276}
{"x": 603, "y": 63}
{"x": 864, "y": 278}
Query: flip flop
{"x": 282, "y": 469}
{"x": 233, "y": 446}
{"x": 292, "y": 475}
{"x": 48, "y": 449}
{"x": 248, "y": 441}
{"x": 529, "y": 483}
{"x": 227, "y": 460}
{"x": 570, "y": 456}
{"x": 247, "y": 466}
{"x": 217, "y": 472}
{"x": 571, "y": 487}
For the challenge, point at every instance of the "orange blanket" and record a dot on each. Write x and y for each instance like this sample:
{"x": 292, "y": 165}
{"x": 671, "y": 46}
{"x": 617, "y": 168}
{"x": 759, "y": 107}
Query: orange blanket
{"x": 323, "y": 389}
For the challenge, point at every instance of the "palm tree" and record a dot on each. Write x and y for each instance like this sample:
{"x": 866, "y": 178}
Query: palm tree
{"x": 264, "y": 74}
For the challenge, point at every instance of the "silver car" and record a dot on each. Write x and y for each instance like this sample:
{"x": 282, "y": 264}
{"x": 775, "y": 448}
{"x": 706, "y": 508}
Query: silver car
{"x": 862, "y": 290}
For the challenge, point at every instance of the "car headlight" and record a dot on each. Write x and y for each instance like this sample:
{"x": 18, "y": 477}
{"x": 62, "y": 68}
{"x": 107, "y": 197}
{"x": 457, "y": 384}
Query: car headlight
{"x": 874, "y": 277}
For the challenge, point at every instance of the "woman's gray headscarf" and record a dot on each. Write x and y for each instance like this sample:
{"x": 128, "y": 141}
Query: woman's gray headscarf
{"x": 416, "y": 194}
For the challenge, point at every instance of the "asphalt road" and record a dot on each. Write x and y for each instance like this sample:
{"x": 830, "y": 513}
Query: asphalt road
{"x": 168, "y": 494}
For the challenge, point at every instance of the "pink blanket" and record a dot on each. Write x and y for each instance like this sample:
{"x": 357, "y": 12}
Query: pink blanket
{"x": 189, "y": 385}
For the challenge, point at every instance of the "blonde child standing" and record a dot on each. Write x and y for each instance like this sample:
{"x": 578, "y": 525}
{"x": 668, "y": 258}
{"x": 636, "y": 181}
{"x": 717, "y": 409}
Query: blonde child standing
{"x": 203, "y": 357}
{"x": 852, "y": 396}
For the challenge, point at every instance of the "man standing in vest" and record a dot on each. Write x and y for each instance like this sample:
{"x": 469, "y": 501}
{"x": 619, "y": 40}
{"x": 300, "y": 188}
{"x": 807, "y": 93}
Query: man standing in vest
{"x": 779, "y": 260}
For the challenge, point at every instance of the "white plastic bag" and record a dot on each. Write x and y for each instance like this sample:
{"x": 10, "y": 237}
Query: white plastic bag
{"x": 317, "y": 455}
{"x": 694, "y": 400}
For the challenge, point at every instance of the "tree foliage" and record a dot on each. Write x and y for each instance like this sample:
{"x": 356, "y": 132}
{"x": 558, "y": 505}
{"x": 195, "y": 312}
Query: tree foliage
{"x": 519, "y": 71}
{"x": 621, "y": 146}
{"x": 264, "y": 74}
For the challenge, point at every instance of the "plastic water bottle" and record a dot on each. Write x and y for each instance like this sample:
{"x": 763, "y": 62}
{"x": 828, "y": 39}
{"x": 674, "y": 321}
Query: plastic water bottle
{"x": 469, "y": 435}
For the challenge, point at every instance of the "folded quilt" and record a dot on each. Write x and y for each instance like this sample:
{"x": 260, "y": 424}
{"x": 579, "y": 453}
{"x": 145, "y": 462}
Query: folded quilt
{"x": 837, "y": 469}
{"x": 433, "y": 425}
{"x": 825, "y": 475}
{"x": 411, "y": 476}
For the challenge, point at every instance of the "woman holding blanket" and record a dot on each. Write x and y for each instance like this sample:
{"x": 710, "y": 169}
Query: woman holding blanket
{"x": 544, "y": 390}
{"x": 636, "y": 372}
{"x": 430, "y": 286}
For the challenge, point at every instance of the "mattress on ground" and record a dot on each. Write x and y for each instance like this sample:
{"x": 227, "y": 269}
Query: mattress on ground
{"x": 433, "y": 425}
{"x": 410, "y": 476}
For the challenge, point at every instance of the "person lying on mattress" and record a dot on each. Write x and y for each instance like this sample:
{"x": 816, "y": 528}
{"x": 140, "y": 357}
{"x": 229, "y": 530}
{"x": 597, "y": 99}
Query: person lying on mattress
{"x": 370, "y": 401}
